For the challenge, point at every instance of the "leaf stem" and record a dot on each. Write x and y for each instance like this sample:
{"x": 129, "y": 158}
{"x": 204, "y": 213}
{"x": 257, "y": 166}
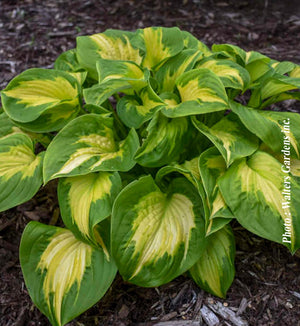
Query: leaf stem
{"x": 121, "y": 127}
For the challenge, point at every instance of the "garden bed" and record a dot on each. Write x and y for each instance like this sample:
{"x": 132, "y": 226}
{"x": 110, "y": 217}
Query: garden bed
{"x": 267, "y": 284}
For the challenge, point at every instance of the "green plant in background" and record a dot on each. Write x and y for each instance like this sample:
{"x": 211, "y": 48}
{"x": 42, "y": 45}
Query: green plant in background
{"x": 155, "y": 155}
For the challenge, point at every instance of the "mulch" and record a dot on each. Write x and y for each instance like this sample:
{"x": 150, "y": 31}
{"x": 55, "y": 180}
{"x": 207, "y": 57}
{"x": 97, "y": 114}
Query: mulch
{"x": 267, "y": 283}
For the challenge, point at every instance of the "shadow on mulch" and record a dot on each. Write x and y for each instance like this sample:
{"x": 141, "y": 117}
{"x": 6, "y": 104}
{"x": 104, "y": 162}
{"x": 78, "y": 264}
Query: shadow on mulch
{"x": 32, "y": 34}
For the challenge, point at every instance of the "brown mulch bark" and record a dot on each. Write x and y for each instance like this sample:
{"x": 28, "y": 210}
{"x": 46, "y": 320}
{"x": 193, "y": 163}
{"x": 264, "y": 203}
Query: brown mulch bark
{"x": 32, "y": 34}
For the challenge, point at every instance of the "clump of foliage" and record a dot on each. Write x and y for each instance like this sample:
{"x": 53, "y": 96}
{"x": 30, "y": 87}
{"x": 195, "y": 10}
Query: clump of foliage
{"x": 156, "y": 151}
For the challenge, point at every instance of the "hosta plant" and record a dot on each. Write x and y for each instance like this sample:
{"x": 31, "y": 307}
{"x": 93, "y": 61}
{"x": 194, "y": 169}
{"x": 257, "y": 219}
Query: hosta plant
{"x": 158, "y": 143}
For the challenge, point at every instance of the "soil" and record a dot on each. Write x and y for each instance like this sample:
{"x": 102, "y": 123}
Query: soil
{"x": 32, "y": 34}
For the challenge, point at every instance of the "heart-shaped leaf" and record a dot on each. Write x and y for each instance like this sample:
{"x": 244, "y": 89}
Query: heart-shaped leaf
{"x": 60, "y": 271}
{"x": 88, "y": 144}
{"x": 157, "y": 235}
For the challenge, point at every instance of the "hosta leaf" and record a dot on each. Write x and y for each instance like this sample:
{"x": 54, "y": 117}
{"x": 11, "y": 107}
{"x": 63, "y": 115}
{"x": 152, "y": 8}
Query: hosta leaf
{"x": 111, "y": 45}
{"x": 269, "y": 126}
{"x": 128, "y": 72}
{"x": 189, "y": 169}
{"x": 231, "y": 74}
{"x": 295, "y": 167}
{"x": 67, "y": 61}
{"x": 201, "y": 91}
{"x": 230, "y": 136}
{"x": 156, "y": 236}
{"x": 191, "y": 42}
{"x": 212, "y": 166}
{"x": 60, "y": 271}
{"x": 42, "y": 138}
{"x": 20, "y": 170}
{"x": 295, "y": 73}
{"x": 254, "y": 56}
{"x": 291, "y": 165}
{"x": 158, "y": 44}
{"x": 115, "y": 76}
{"x": 99, "y": 93}
{"x": 257, "y": 65}
{"x": 214, "y": 271}
{"x": 174, "y": 67}
{"x": 97, "y": 109}
{"x": 80, "y": 76}
{"x": 217, "y": 223}
{"x": 165, "y": 141}
{"x": 171, "y": 100}
{"x": 232, "y": 51}
{"x": 52, "y": 120}
{"x": 42, "y": 99}
{"x": 135, "y": 110}
{"x": 264, "y": 199}
{"x": 279, "y": 98}
{"x": 7, "y": 126}
{"x": 201, "y": 85}
{"x": 279, "y": 84}
{"x": 86, "y": 200}
{"x": 283, "y": 67}
{"x": 87, "y": 144}
{"x": 121, "y": 70}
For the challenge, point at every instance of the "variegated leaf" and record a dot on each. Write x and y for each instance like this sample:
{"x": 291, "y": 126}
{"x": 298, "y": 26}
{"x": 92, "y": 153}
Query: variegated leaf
{"x": 264, "y": 198}
{"x": 80, "y": 76}
{"x": 290, "y": 165}
{"x": 42, "y": 100}
{"x": 7, "y": 126}
{"x": 295, "y": 73}
{"x": 158, "y": 44}
{"x": 116, "y": 76}
{"x": 295, "y": 167}
{"x": 231, "y": 74}
{"x": 85, "y": 201}
{"x": 165, "y": 141}
{"x": 231, "y": 51}
{"x": 273, "y": 88}
{"x": 276, "y": 129}
{"x": 279, "y": 98}
{"x": 97, "y": 109}
{"x": 20, "y": 170}
{"x": 214, "y": 271}
{"x": 283, "y": 67}
{"x": 174, "y": 67}
{"x": 135, "y": 110}
{"x": 191, "y": 42}
{"x": 88, "y": 144}
{"x": 212, "y": 166}
{"x": 67, "y": 61}
{"x": 254, "y": 56}
{"x": 258, "y": 65}
{"x": 111, "y": 45}
{"x": 201, "y": 91}
{"x": 189, "y": 169}
{"x": 278, "y": 84}
{"x": 122, "y": 70}
{"x": 156, "y": 236}
{"x": 99, "y": 93}
{"x": 230, "y": 136}
{"x": 60, "y": 271}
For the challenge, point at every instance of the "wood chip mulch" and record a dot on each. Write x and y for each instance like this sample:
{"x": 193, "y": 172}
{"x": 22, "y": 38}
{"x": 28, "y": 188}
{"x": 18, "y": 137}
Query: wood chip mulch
{"x": 266, "y": 290}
